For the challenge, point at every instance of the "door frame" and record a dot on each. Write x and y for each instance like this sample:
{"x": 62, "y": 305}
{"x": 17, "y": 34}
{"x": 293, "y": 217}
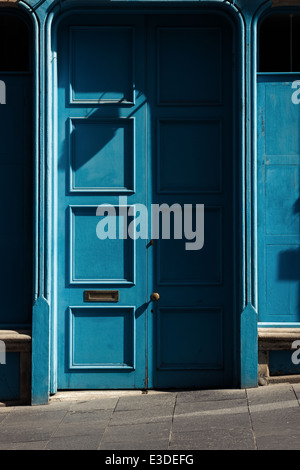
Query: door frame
{"x": 44, "y": 356}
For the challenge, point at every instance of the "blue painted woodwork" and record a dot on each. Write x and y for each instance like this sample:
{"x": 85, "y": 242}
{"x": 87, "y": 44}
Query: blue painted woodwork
{"x": 138, "y": 118}
{"x": 41, "y": 330}
{"x": 278, "y": 183}
{"x": 249, "y": 348}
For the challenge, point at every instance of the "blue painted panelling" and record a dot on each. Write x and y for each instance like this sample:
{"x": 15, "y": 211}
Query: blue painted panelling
{"x": 106, "y": 144}
{"x": 278, "y": 199}
{"x": 206, "y": 345}
{"x": 195, "y": 175}
{"x": 102, "y": 74}
{"x": 101, "y": 338}
{"x": 180, "y": 50}
{"x": 97, "y": 261}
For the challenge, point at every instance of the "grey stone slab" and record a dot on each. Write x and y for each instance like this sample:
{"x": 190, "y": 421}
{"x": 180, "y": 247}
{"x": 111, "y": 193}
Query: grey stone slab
{"x": 277, "y": 428}
{"x": 91, "y": 416}
{"x": 271, "y": 394}
{"x": 211, "y": 407}
{"x": 273, "y": 406}
{"x": 213, "y": 439}
{"x": 153, "y": 414}
{"x": 145, "y": 401}
{"x": 138, "y": 432}
{"x": 56, "y": 405}
{"x": 160, "y": 444}
{"x": 233, "y": 418}
{"x": 10, "y": 434}
{"x": 281, "y": 442}
{"x": 296, "y": 388}
{"x": 105, "y": 403}
{"x": 3, "y": 416}
{"x": 209, "y": 395}
{"x": 89, "y": 442}
{"x": 35, "y": 445}
{"x": 79, "y": 429}
{"x": 185, "y": 445}
{"x": 35, "y": 418}
{"x": 276, "y": 421}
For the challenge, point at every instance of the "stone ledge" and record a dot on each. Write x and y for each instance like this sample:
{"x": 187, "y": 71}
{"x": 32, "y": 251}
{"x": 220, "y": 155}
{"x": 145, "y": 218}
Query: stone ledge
{"x": 16, "y": 340}
{"x": 277, "y": 338}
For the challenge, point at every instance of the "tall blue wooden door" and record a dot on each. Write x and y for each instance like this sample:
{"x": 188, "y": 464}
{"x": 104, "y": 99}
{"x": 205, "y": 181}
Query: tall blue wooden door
{"x": 145, "y": 117}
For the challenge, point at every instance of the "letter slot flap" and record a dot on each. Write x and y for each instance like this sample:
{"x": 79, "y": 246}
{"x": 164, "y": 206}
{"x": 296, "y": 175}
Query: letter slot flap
{"x": 101, "y": 296}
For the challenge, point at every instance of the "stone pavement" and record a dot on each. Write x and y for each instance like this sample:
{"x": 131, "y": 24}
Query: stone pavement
{"x": 263, "y": 418}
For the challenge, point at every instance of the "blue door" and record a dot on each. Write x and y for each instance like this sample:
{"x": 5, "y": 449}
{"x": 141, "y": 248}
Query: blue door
{"x": 278, "y": 154}
{"x": 145, "y": 118}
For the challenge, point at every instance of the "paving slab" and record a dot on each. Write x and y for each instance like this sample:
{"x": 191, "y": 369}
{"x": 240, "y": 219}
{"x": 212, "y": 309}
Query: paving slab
{"x": 211, "y": 407}
{"x": 271, "y": 394}
{"x": 145, "y": 415}
{"x": 91, "y": 416}
{"x": 160, "y": 444}
{"x": 35, "y": 418}
{"x": 210, "y": 395}
{"x": 260, "y": 418}
{"x": 145, "y": 401}
{"x": 83, "y": 442}
{"x": 10, "y": 434}
{"x": 138, "y": 432}
{"x": 276, "y": 428}
{"x": 35, "y": 445}
{"x": 104, "y": 403}
{"x": 214, "y": 438}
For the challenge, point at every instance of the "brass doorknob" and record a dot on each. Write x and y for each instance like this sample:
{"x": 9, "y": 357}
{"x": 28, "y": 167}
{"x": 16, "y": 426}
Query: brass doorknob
{"x": 155, "y": 296}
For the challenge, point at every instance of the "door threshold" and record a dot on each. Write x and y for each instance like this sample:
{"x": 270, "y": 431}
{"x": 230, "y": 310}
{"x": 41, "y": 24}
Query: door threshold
{"x": 70, "y": 395}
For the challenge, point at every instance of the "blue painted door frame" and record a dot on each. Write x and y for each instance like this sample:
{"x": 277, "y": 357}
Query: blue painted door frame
{"x": 44, "y": 321}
